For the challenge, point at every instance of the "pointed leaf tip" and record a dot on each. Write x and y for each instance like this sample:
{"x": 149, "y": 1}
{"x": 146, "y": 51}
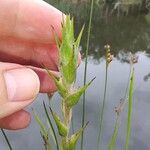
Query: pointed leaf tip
{"x": 62, "y": 129}
{"x": 75, "y": 137}
{"x": 73, "y": 98}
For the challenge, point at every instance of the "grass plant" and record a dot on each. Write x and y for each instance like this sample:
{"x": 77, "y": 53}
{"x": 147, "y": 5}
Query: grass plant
{"x": 53, "y": 133}
{"x": 44, "y": 132}
{"x": 130, "y": 97}
{"x": 70, "y": 95}
{"x": 85, "y": 68}
{"x": 108, "y": 59}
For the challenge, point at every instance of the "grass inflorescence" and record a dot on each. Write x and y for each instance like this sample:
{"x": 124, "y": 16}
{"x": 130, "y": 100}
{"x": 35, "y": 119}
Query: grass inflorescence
{"x": 70, "y": 95}
{"x": 108, "y": 58}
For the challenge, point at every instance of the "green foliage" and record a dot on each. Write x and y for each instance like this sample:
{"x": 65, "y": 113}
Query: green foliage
{"x": 74, "y": 138}
{"x": 114, "y": 136}
{"x": 51, "y": 129}
{"x": 74, "y": 97}
{"x": 68, "y": 62}
{"x": 44, "y": 132}
{"x": 58, "y": 82}
{"x": 68, "y": 52}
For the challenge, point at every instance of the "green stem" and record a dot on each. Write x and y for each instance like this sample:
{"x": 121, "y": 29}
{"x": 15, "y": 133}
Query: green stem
{"x": 103, "y": 107}
{"x": 5, "y": 136}
{"x": 85, "y": 69}
{"x": 51, "y": 125}
{"x": 72, "y": 125}
{"x": 67, "y": 114}
{"x": 128, "y": 133}
{"x": 115, "y": 134}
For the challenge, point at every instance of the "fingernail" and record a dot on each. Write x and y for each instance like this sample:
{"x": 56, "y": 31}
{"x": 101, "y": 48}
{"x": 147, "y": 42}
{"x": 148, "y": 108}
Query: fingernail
{"x": 22, "y": 84}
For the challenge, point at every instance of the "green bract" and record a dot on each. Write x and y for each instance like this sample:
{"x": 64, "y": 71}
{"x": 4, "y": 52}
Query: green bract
{"x": 73, "y": 98}
{"x": 68, "y": 52}
{"x": 62, "y": 129}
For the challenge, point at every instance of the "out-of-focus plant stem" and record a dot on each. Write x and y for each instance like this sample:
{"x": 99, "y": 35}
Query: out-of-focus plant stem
{"x": 7, "y": 140}
{"x": 85, "y": 69}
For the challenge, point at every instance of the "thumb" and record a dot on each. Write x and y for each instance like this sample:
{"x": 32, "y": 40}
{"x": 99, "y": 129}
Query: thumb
{"x": 18, "y": 88}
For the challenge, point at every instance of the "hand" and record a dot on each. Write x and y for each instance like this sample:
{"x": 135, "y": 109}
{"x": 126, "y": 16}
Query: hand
{"x": 26, "y": 43}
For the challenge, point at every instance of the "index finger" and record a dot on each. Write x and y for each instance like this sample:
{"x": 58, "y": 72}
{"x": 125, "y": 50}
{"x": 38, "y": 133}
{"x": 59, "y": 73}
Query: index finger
{"x": 29, "y": 20}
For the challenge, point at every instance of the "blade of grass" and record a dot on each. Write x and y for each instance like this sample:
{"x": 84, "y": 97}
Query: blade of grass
{"x": 43, "y": 131}
{"x": 130, "y": 97}
{"x": 103, "y": 107}
{"x": 51, "y": 125}
{"x": 72, "y": 124}
{"x": 114, "y": 136}
{"x": 6, "y": 138}
{"x": 85, "y": 69}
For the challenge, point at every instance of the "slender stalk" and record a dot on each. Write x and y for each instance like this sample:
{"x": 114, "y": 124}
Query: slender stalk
{"x": 103, "y": 107}
{"x": 51, "y": 125}
{"x": 72, "y": 125}
{"x": 67, "y": 114}
{"x": 85, "y": 69}
{"x": 115, "y": 134}
{"x": 6, "y": 138}
{"x": 128, "y": 132}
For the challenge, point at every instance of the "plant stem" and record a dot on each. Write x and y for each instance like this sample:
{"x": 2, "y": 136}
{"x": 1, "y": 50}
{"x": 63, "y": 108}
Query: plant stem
{"x": 51, "y": 125}
{"x": 85, "y": 69}
{"x": 5, "y": 136}
{"x": 128, "y": 132}
{"x": 103, "y": 107}
{"x": 115, "y": 134}
{"x": 67, "y": 114}
{"x": 72, "y": 125}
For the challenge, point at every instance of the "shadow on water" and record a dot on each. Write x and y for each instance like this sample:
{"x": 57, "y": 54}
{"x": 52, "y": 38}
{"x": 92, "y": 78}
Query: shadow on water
{"x": 125, "y": 33}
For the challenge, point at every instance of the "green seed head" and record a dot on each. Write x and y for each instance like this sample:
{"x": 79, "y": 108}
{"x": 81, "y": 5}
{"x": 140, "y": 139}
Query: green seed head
{"x": 68, "y": 52}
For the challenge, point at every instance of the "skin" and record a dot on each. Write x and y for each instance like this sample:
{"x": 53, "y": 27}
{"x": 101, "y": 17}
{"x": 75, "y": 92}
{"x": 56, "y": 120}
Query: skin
{"x": 26, "y": 41}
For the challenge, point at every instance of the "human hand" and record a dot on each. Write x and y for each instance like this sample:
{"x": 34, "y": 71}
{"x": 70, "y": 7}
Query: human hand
{"x": 26, "y": 43}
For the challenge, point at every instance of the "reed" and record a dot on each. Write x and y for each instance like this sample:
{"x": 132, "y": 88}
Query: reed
{"x": 85, "y": 68}
{"x": 130, "y": 97}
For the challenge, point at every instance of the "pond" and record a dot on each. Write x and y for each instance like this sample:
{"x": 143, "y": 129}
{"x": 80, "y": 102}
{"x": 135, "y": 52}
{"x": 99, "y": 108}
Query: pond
{"x": 124, "y": 34}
